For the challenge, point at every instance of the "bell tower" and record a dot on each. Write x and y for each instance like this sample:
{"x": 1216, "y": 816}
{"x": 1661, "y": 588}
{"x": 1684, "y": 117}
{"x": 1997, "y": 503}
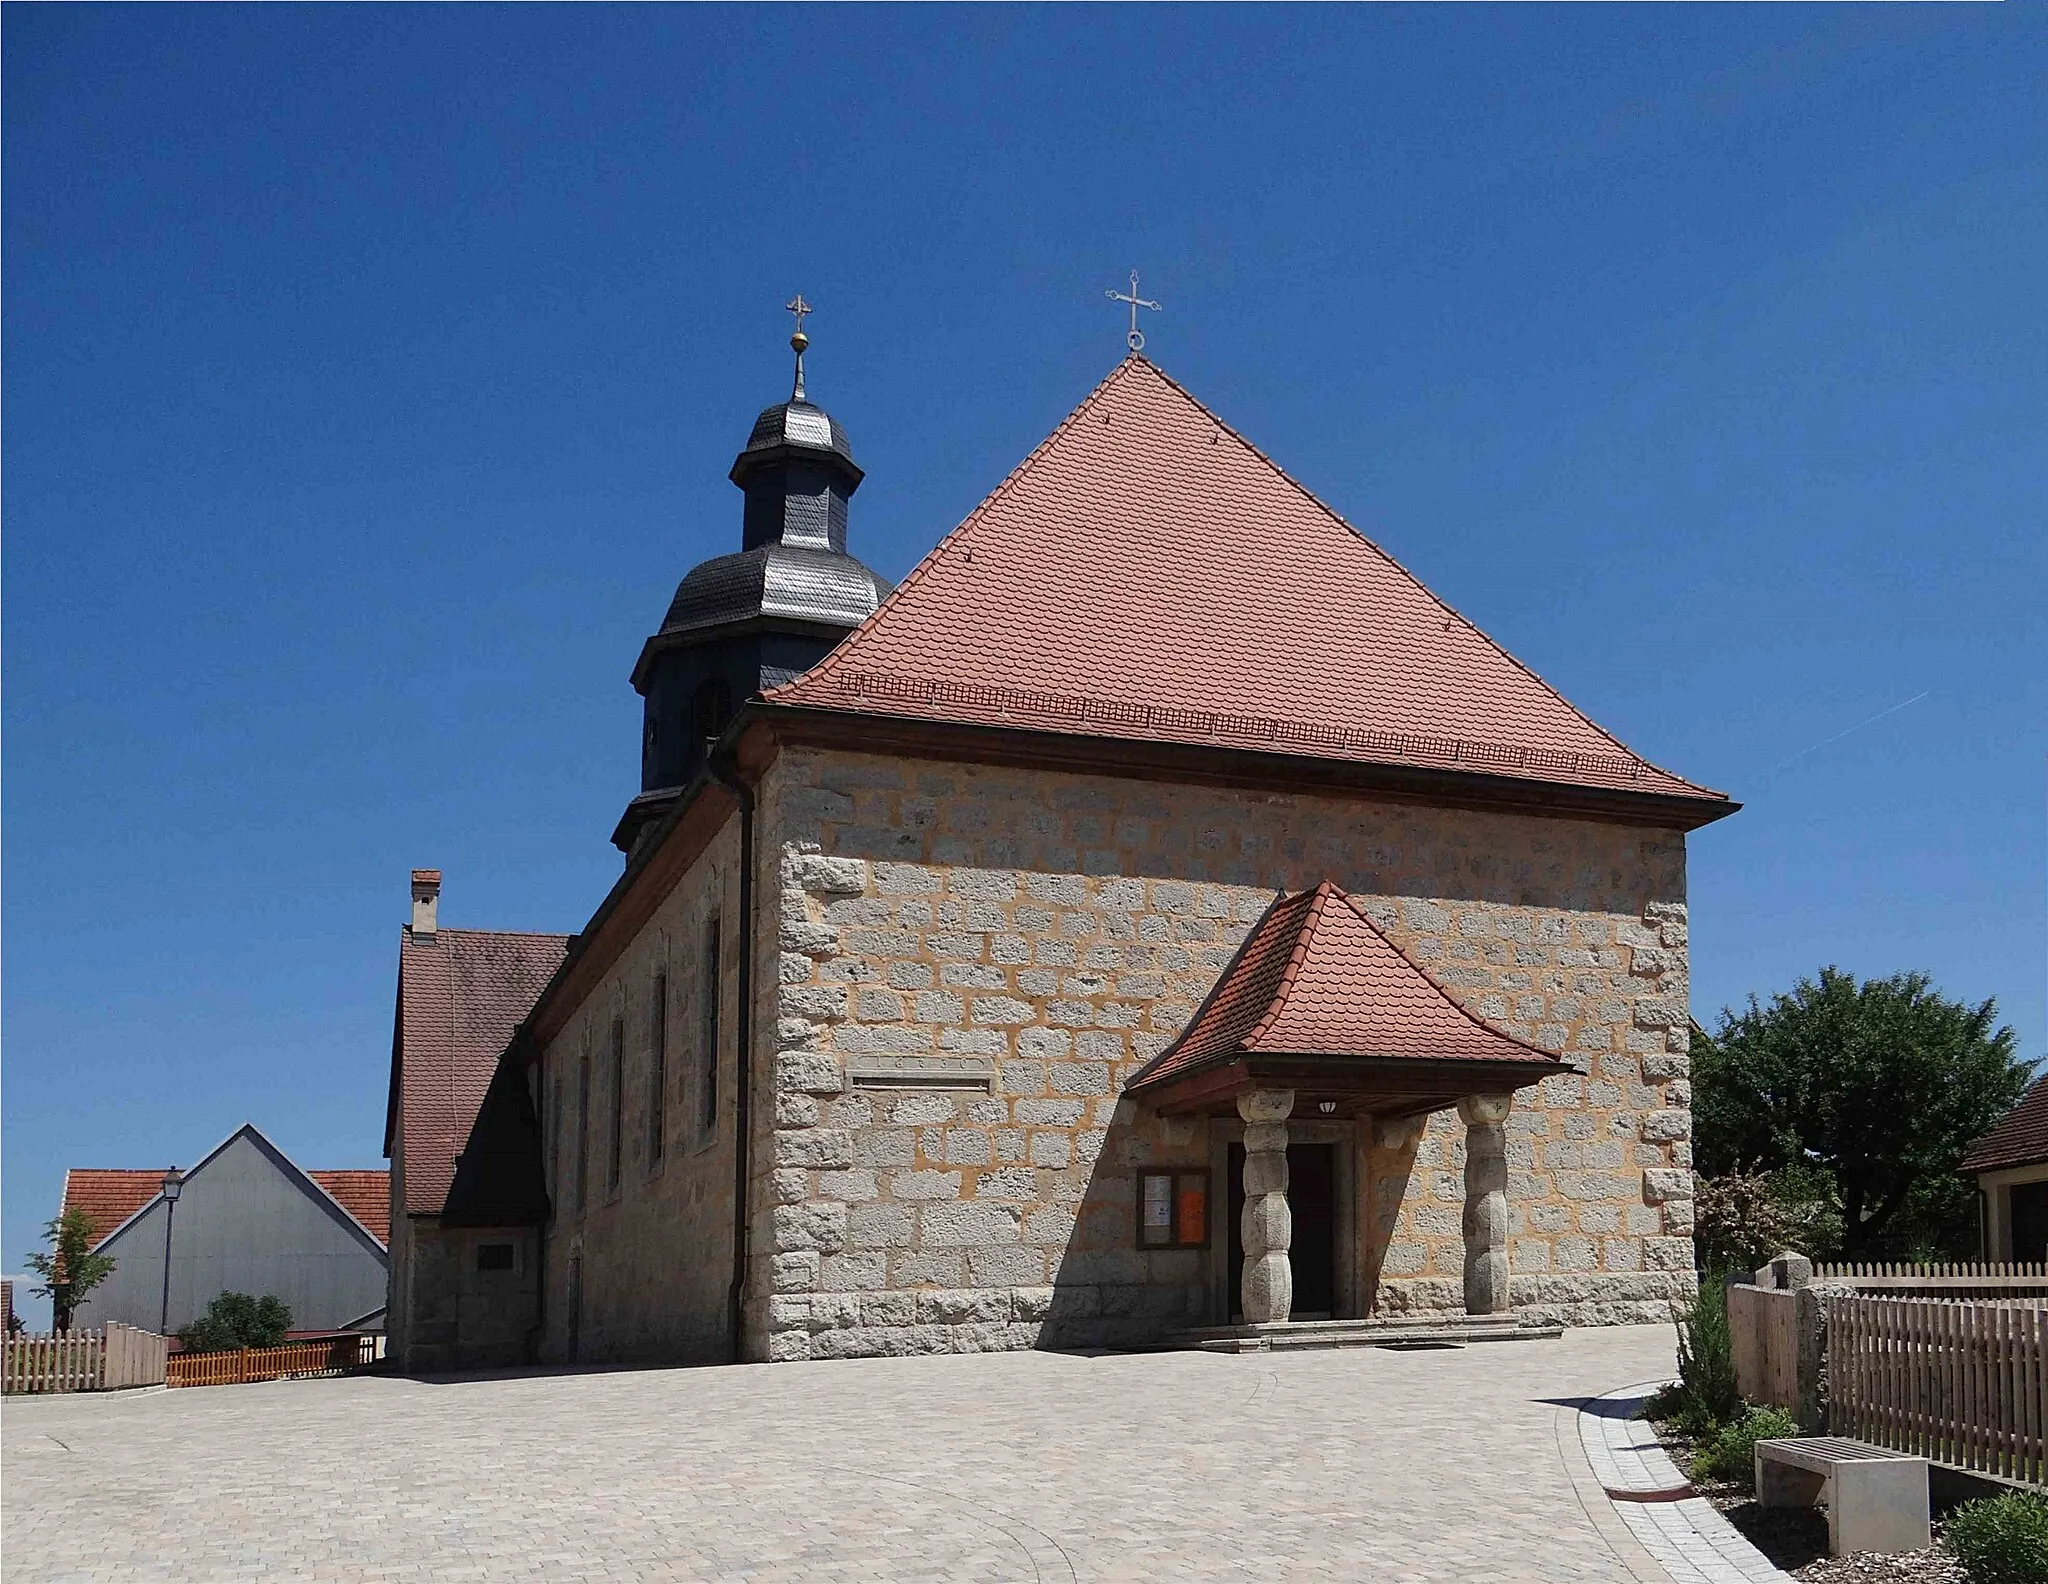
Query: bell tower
{"x": 748, "y": 621}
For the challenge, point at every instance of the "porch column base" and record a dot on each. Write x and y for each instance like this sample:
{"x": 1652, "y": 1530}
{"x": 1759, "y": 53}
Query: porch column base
{"x": 1486, "y": 1202}
{"x": 1266, "y": 1291}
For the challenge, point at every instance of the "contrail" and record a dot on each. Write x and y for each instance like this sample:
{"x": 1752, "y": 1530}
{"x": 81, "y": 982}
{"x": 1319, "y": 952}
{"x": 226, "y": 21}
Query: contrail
{"x": 1838, "y": 736}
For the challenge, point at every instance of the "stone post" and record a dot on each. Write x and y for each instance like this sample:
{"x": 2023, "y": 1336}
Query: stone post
{"x": 1486, "y": 1202}
{"x": 1266, "y": 1291}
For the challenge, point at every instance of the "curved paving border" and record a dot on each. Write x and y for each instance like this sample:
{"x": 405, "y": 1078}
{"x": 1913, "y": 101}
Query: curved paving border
{"x": 1686, "y": 1535}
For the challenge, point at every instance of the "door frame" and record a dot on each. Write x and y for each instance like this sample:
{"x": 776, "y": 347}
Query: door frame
{"x": 1349, "y": 1220}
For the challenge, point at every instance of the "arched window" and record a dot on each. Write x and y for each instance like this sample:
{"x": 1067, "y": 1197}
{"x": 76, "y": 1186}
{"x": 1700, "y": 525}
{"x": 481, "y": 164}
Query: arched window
{"x": 713, "y": 708}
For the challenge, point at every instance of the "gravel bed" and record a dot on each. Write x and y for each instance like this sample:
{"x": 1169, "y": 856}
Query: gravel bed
{"x": 1796, "y": 1538}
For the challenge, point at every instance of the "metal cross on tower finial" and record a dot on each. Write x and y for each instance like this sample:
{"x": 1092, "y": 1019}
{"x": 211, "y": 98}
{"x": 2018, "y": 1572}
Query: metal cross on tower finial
{"x": 1134, "y": 340}
{"x": 798, "y": 342}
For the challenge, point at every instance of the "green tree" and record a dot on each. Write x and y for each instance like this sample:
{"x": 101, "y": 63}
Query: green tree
{"x": 235, "y": 1320}
{"x": 70, "y": 1270}
{"x": 1878, "y": 1086}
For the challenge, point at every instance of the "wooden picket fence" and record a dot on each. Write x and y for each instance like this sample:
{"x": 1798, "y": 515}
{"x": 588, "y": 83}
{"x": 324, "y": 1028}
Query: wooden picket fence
{"x": 1947, "y": 1281}
{"x": 1959, "y": 1383}
{"x": 74, "y": 1361}
{"x": 326, "y": 1356}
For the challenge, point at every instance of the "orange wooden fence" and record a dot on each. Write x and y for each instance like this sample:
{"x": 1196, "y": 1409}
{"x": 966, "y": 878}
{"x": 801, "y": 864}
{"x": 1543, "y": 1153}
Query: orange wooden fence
{"x": 328, "y": 1356}
{"x": 1959, "y": 1383}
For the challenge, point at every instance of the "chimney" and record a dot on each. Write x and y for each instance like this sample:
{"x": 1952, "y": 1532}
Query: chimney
{"x": 426, "y": 903}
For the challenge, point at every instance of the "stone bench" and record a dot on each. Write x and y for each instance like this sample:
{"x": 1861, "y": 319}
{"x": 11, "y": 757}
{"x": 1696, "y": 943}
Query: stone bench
{"x": 1876, "y": 1499}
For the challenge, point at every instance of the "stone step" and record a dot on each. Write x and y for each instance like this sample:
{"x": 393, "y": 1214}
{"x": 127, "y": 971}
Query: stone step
{"x": 1420, "y": 1332}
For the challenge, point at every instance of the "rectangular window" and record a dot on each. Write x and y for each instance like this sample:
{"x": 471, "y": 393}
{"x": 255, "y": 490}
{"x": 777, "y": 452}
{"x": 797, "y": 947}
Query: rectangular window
{"x": 1173, "y": 1209}
{"x": 615, "y": 1132}
{"x": 707, "y": 1036}
{"x": 582, "y": 1132}
{"x": 494, "y": 1257}
{"x": 555, "y": 1127}
{"x": 657, "y": 1069}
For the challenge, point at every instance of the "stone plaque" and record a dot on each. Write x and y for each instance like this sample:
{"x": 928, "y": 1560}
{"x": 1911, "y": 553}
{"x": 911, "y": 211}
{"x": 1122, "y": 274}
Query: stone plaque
{"x": 977, "y": 1073}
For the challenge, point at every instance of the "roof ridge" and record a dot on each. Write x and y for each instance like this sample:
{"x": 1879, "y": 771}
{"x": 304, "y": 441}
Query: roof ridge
{"x": 916, "y": 574}
{"x": 1435, "y": 984}
{"x": 1378, "y": 549}
{"x": 465, "y": 929}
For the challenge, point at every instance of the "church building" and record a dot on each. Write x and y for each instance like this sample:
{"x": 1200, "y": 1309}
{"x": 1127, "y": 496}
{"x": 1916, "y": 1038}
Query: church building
{"x": 1159, "y": 921}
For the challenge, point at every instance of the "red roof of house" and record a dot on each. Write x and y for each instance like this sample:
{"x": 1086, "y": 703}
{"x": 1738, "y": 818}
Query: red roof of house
{"x": 1147, "y": 573}
{"x": 111, "y": 1195}
{"x": 461, "y": 993}
{"x": 366, "y": 1195}
{"x": 2019, "y": 1139}
{"x": 1317, "y": 978}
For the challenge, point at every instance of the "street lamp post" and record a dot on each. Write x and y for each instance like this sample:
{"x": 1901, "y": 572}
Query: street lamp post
{"x": 174, "y": 1184}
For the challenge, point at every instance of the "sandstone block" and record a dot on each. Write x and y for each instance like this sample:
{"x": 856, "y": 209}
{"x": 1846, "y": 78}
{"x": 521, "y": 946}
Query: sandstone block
{"x": 847, "y": 1273}
{"x": 1664, "y": 1125}
{"x": 816, "y": 1148}
{"x": 925, "y": 1185}
{"x": 967, "y": 1225}
{"x": 809, "y": 1226}
{"x": 832, "y": 876}
{"x": 879, "y": 1225}
{"x": 808, "y": 1072}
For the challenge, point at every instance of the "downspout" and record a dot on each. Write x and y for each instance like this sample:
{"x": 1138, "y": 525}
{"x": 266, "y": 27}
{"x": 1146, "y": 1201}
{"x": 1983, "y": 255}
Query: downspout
{"x": 743, "y": 1030}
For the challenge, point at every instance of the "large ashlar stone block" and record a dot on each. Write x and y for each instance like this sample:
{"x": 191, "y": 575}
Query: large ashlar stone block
{"x": 1485, "y": 1219}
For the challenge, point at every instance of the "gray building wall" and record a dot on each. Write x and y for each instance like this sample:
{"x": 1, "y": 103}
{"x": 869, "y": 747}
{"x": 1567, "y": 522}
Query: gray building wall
{"x": 246, "y": 1222}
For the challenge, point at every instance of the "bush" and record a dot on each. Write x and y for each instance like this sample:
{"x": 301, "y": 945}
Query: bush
{"x": 1704, "y": 1397}
{"x": 235, "y": 1320}
{"x": 1730, "y": 1452}
{"x": 2002, "y": 1539}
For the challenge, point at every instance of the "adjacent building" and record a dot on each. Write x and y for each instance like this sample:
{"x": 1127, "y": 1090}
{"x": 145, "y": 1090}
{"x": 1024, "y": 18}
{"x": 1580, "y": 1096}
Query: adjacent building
{"x": 462, "y": 1278}
{"x": 1158, "y": 912}
{"x": 246, "y": 1219}
{"x": 2010, "y": 1164}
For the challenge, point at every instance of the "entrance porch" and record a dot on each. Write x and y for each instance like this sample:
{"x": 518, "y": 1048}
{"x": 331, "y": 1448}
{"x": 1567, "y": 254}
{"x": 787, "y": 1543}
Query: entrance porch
{"x": 1318, "y": 1037}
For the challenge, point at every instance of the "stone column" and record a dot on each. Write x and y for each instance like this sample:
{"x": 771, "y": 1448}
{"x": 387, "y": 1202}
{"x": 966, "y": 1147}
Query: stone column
{"x": 1267, "y": 1289}
{"x": 1486, "y": 1202}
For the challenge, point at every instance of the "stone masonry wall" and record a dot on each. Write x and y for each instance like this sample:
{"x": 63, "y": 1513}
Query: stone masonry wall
{"x": 655, "y": 1251}
{"x": 1065, "y": 927}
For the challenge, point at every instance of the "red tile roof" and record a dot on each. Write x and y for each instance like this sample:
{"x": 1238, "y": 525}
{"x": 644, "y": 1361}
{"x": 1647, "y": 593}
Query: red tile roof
{"x": 109, "y": 1195}
{"x": 460, "y": 995}
{"x": 1317, "y": 978}
{"x": 1147, "y": 573}
{"x": 2019, "y": 1139}
{"x": 366, "y": 1195}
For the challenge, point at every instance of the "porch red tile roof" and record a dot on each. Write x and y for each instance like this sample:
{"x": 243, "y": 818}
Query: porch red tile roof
{"x": 1317, "y": 978}
{"x": 1147, "y": 573}
{"x": 461, "y": 993}
{"x": 2020, "y": 1138}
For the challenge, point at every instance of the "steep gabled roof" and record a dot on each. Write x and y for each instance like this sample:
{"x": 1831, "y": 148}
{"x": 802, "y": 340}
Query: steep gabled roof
{"x": 2019, "y": 1139}
{"x": 1148, "y": 574}
{"x": 1317, "y": 978}
{"x": 115, "y": 1196}
{"x": 461, "y": 993}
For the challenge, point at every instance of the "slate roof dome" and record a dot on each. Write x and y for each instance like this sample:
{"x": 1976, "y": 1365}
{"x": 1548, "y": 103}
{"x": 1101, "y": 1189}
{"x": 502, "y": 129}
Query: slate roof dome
{"x": 790, "y": 429}
{"x": 801, "y": 582}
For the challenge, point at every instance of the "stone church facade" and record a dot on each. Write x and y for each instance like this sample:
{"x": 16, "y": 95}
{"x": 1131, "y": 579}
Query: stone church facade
{"x": 871, "y": 1048}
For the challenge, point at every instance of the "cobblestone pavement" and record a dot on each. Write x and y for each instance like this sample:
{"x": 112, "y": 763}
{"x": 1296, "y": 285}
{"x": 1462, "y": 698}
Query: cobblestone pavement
{"x": 1356, "y": 1465}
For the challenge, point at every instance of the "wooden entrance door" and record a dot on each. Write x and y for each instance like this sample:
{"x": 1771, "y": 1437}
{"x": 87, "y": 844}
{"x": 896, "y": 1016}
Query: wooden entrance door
{"x": 1312, "y": 1200}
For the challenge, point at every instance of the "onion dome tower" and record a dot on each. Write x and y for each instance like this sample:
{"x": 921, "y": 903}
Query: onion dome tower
{"x": 748, "y": 621}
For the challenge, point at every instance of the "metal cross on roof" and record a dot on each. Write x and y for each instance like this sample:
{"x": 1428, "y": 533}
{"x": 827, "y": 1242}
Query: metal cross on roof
{"x": 797, "y": 342}
{"x": 1134, "y": 340}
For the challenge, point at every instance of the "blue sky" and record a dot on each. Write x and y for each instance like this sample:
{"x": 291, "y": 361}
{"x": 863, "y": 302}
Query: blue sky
{"x": 372, "y": 376}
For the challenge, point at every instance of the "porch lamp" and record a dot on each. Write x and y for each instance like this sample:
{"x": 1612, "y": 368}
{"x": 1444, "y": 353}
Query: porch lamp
{"x": 174, "y": 1184}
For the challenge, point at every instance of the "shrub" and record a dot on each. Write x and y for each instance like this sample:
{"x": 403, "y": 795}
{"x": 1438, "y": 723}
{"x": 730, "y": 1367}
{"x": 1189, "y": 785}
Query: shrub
{"x": 2002, "y": 1539}
{"x": 1730, "y": 1452}
{"x": 235, "y": 1320}
{"x": 1704, "y": 1397}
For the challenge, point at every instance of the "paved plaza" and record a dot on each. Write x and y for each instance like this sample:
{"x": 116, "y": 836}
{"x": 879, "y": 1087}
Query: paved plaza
{"x": 1358, "y": 1465}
